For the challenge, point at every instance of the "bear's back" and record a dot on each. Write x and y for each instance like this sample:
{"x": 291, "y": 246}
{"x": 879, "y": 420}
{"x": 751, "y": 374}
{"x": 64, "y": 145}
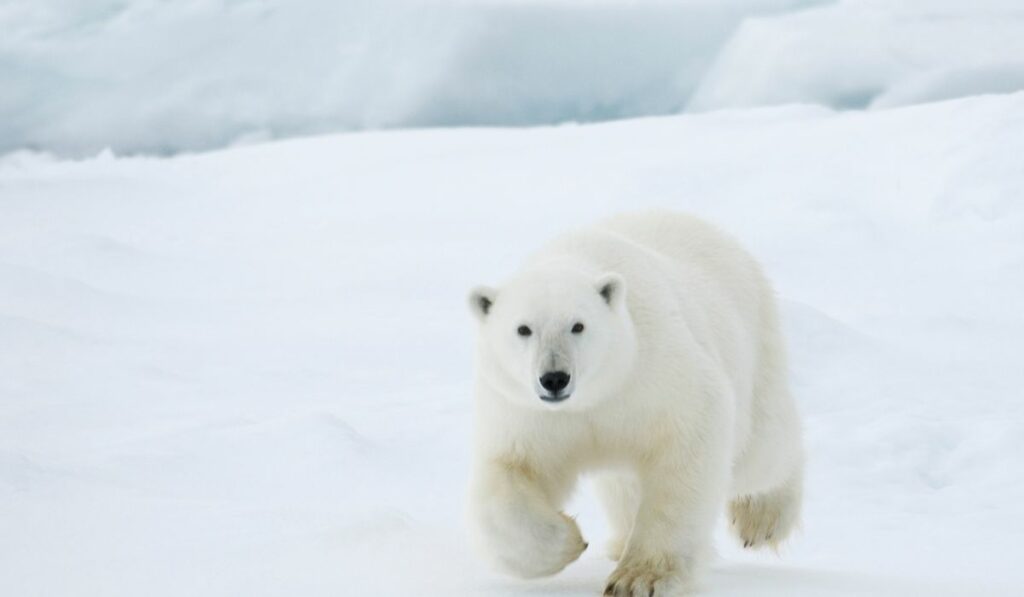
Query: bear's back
{"x": 688, "y": 240}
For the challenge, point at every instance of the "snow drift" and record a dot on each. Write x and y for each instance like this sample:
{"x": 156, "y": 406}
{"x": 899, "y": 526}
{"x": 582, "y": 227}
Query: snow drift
{"x": 162, "y": 77}
{"x": 865, "y": 53}
{"x": 146, "y": 76}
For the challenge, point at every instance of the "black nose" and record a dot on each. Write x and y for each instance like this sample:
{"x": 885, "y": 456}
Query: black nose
{"x": 554, "y": 381}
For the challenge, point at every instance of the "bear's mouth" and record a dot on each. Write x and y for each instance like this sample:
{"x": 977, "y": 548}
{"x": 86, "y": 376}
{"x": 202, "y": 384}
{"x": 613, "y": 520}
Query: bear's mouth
{"x": 555, "y": 397}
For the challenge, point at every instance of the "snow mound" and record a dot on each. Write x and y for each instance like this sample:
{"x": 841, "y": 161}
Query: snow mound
{"x": 142, "y": 76}
{"x": 158, "y": 77}
{"x": 861, "y": 53}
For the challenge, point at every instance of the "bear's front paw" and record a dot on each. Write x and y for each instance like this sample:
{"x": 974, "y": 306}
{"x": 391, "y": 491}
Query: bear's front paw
{"x": 542, "y": 549}
{"x": 567, "y": 545}
{"x": 648, "y": 578}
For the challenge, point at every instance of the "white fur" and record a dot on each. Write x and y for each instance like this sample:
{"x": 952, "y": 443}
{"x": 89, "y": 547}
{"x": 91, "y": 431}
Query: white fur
{"x": 678, "y": 401}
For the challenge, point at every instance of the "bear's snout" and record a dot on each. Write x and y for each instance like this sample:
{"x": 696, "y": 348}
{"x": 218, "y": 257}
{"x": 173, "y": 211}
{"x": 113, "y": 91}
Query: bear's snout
{"x": 554, "y": 382}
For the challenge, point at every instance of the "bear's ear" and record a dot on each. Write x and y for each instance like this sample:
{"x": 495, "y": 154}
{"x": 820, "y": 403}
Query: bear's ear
{"x": 480, "y": 301}
{"x": 612, "y": 288}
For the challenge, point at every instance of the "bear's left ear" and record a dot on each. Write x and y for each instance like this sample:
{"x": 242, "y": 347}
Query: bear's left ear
{"x": 480, "y": 301}
{"x": 612, "y": 288}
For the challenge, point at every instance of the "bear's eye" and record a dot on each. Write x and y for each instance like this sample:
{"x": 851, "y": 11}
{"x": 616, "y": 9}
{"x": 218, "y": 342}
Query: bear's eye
{"x": 577, "y": 328}
{"x": 524, "y": 331}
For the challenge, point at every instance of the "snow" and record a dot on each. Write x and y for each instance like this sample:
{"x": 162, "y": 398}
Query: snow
{"x": 869, "y": 53}
{"x": 161, "y": 77}
{"x": 247, "y": 372}
{"x": 152, "y": 77}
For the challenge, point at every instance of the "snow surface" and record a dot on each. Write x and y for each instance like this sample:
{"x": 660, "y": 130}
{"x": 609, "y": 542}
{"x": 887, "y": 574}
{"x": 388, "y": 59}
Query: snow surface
{"x": 158, "y": 77}
{"x": 247, "y": 372}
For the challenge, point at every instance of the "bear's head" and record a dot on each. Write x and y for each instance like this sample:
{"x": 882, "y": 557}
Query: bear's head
{"x": 555, "y": 337}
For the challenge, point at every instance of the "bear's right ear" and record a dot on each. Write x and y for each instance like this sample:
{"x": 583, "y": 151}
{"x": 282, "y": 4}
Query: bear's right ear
{"x": 480, "y": 301}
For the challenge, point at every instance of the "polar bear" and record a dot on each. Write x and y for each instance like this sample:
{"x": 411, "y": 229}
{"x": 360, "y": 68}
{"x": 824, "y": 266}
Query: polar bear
{"x": 645, "y": 350}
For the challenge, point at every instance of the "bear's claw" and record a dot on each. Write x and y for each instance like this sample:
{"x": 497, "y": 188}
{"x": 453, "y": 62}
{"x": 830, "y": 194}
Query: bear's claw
{"x": 644, "y": 581}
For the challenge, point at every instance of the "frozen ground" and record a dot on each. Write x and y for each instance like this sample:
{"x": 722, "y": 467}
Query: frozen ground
{"x": 247, "y": 372}
{"x": 154, "y": 76}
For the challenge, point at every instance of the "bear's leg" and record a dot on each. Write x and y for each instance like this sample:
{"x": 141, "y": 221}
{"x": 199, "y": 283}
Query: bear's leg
{"x": 620, "y": 495}
{"x": 768, "y": 476}
{"x": 681, "y": 496}
{"x": 518, "y": 522}
{"x": 767, "y": 519}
